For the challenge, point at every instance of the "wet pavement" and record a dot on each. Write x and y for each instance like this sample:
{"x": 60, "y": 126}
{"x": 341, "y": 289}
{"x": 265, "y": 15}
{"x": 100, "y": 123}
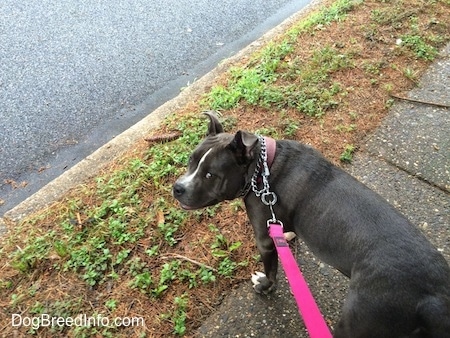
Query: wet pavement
{"x": 75, "y": 74}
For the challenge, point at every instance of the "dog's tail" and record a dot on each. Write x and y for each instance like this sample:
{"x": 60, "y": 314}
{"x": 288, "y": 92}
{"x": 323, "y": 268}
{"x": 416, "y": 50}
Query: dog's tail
{"x": 434, "y": 314}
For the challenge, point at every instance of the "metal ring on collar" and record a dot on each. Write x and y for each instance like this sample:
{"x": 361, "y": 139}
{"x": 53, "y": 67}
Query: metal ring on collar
{"x": 269, "y": 198}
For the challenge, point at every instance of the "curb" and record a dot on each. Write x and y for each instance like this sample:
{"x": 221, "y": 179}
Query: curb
{"x": 92, "y": 164}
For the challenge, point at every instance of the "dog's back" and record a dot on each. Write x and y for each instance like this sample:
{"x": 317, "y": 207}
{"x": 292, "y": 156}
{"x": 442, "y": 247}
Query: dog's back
{"x": 400, "y": 283}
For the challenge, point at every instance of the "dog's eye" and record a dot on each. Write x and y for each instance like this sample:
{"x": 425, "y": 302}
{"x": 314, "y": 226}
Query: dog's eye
{"x": 208, "y": 175}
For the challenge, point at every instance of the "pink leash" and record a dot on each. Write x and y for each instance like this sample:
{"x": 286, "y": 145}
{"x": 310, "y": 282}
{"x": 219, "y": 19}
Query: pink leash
{"x": 314, "y": 322}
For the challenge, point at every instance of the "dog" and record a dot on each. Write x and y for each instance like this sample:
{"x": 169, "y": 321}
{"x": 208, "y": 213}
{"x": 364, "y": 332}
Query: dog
{"x": 399, "y": 283}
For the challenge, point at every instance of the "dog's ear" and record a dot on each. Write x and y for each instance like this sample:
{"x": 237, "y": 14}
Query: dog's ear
{"x": 243, "y": 145}
{"x": 214, "y": 126}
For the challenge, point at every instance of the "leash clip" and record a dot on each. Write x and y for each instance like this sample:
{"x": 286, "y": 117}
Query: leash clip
{"x": 271, "y": 222}
{"x": 269, "y": 198}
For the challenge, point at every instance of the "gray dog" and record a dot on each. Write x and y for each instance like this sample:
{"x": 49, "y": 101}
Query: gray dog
{"x": 399, "y": 283}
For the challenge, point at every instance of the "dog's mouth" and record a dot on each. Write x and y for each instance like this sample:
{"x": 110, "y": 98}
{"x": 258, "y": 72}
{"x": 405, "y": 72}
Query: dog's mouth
{"x": 196, "y": 207}
{"x": 186, "y": 207}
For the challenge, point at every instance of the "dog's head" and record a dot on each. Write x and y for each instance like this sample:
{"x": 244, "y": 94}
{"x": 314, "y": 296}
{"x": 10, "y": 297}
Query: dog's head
{"x": 219, "y": 168}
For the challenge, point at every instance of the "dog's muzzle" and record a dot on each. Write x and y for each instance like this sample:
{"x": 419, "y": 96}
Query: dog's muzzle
{"x": 179, "y": 192}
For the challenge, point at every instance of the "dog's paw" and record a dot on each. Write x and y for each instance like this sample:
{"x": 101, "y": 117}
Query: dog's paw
{"x": 289, "y": 236}
{"x": 261, "y": 284}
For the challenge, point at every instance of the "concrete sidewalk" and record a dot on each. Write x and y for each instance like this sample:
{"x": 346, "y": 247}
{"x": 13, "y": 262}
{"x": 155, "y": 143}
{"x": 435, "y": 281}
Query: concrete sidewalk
{"x": 407, "y": 161}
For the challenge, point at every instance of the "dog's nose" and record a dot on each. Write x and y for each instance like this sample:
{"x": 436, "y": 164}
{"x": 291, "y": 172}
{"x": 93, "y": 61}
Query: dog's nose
{"x": 178, "y": 189}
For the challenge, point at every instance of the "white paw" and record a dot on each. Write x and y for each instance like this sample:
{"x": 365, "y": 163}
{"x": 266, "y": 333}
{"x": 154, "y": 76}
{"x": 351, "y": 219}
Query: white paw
{"x": 289, "y": 236}
{"x": 257, "y": 278}
{"x": 261, "y": 284}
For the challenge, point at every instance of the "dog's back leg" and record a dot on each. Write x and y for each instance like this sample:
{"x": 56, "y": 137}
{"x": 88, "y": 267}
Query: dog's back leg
{"x": 434, "y": 315}
{"x": 365, "y": 316}
{"x": 351, "y": 323}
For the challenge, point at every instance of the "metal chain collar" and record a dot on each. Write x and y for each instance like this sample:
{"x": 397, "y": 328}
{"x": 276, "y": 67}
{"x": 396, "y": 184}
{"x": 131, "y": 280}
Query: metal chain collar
{"x": 268, "y": 197}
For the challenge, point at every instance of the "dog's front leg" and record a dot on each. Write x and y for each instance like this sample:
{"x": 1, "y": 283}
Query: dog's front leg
{"x": 263, "y": 282}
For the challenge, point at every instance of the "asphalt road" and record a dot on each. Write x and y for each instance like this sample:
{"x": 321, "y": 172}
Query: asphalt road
{"x": 74, "y": 74}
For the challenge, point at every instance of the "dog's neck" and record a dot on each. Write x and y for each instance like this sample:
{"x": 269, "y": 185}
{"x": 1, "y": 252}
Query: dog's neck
{"x": 270, "y": 148}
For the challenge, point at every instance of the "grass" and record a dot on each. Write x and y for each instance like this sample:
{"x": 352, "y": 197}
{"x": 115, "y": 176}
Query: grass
{"x": 309, "y": 89}
{"x": 119, "y": 245}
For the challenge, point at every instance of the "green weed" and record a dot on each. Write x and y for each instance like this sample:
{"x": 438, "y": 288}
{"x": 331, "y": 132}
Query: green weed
{"x": 37, "y": 250}
{"x": 142, "y": 281}
{"x": 223, "y": 249}
{"x": 421, "y": 49}
{"x": 189, "y": 276}
{"x": 290, "y": 127}
{"x": 111, "y": 304}
{"x": 345, "y": 128}
{"x": 411, "y": 74}
{"x": 336, "y": 12}
{"x": 169, "y": 272}
{"x": 347, "y": 154}
{"x": 178, "y": 315}
{"x": 206, "y": 275}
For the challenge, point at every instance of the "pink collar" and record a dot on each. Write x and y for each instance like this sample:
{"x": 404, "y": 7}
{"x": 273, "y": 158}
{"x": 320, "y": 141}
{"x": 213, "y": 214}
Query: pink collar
{"x": 271, "y": 146}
